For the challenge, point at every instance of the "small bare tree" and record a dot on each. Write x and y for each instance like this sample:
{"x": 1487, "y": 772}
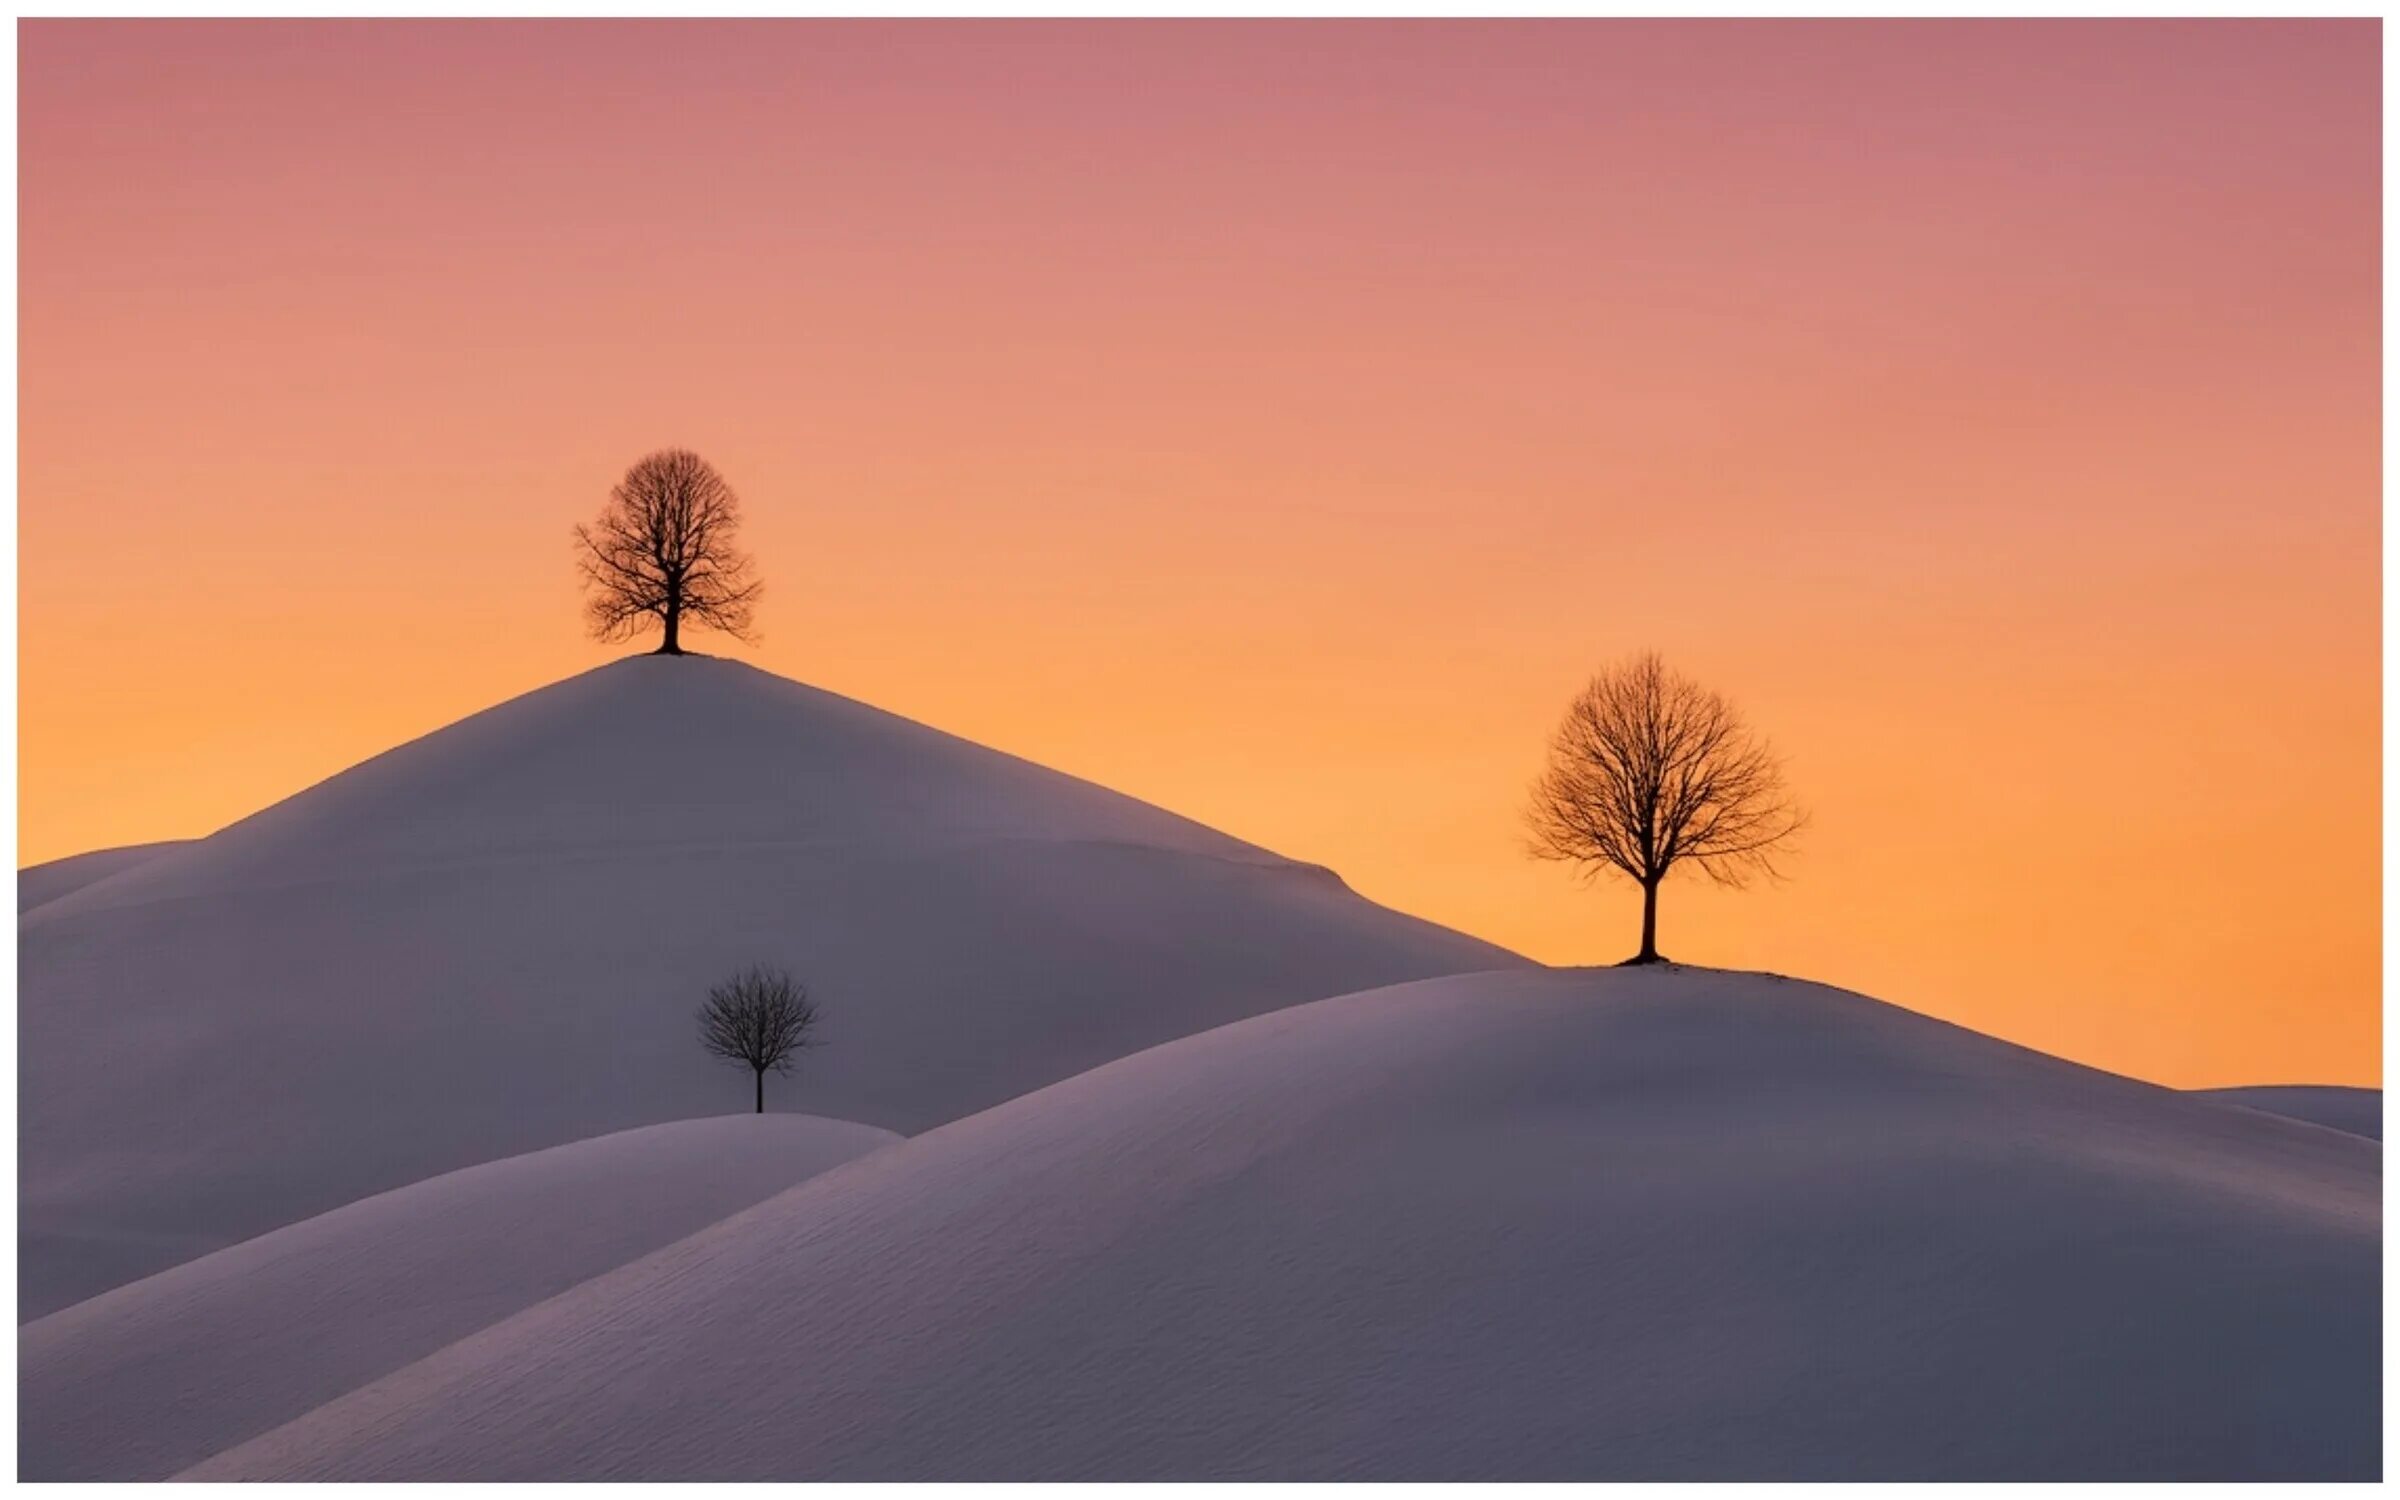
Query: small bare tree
{"x": 663, "y": 550}
{"x": 758, "y": 1018}
{"x": 1649, "y": 770}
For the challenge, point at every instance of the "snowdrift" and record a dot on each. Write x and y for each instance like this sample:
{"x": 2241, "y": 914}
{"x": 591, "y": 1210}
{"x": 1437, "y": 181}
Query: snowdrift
{"x": 143, "y": 1380}
{"x": 2359, "y": 1111}
{"x": 1526, "y": 1225}
{"x": 492, "y": 939}
{"x": 58, "y": 877}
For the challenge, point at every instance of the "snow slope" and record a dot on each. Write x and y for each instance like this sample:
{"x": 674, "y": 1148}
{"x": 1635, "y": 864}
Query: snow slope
{"x": 2359, "y": 1111}
{"x": 143, "y": 1380}
{"x": 1524, "y": 1225}
{"x": 491, "y": 940}
{"x": 55, "y": 878}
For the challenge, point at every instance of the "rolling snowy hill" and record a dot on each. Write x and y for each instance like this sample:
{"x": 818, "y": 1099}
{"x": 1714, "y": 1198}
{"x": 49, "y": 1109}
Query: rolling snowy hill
{"x": 142, "y": 1380}
{"x": 1520, "y": 1225}
{"x": 491, "y": 940}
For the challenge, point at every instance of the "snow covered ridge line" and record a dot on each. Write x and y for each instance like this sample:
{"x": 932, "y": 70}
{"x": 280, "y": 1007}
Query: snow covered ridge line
{"x": 1564, "y": 1225}
{"x": 656, "y": 752}
{"x": 140, "y": 1381}
{"x": 492, "y": 939}
{"x": 51, "y": 879}
{"x": 2358, "y": 1111}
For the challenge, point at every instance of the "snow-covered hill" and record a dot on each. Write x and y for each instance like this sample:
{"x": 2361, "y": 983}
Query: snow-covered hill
{"x": 492, "y": 939}
{"x": 2359, "y": 1111}
{"x": 142, "y": 1380}
{"x": 1523, "y": 1225}
{"x": 55, "y": 878}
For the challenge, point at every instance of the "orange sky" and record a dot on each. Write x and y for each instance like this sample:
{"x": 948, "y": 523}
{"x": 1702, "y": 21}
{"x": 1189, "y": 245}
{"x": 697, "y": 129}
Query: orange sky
{"x": 1277, "y": 421}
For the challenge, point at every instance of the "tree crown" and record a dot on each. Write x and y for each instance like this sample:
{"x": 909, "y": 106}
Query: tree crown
{"x": 663, "y": 550}
{"x": 758, "y": 1018}
{"x": 1648, "y": 770}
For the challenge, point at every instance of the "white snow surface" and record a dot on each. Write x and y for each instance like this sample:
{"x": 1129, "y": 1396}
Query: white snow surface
{"x": 2359, "y": 1111}
{"x": 55, "y": 878}
{"x": 1564, "y": 1225}
{"x": 143, "y": 1380}
{"x": 492, "y": 940}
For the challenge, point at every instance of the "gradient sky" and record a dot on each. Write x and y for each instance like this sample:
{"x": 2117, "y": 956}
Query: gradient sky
{"x": 1278, "y": 421}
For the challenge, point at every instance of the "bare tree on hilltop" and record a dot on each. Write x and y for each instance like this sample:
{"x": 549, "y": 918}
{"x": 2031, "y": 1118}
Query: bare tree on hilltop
{"x": 663, "y": 550}
{"x": 758, "y": 1018}
{"x": 1649, "y": 770}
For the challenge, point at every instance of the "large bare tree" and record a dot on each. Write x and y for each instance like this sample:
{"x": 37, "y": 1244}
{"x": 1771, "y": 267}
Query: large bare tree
{"x": 663, "y": 550}
{"x": 759, "y": 1018}
{"x": 1649, "y": 771}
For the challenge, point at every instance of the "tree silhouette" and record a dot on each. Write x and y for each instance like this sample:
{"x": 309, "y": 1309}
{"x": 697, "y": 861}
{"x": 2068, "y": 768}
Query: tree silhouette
{"x": 758, "y": 1018}
{"x": 663, "y": 550}
{"x": 1649, "y": 770}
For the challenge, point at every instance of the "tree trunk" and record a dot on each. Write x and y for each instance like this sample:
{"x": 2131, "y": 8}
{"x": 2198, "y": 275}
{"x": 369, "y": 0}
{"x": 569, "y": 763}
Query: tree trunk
{"x": 1649, "y": 953}
{"x": 672, "y": 645}
{"x": 762, "y": 1091}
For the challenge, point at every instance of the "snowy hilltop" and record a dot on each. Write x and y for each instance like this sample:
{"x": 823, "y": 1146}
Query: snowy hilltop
{"x": 489, "y": 940}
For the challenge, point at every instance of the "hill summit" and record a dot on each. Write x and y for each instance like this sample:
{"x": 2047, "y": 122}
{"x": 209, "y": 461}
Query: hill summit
{"x": 490, "y": 940}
